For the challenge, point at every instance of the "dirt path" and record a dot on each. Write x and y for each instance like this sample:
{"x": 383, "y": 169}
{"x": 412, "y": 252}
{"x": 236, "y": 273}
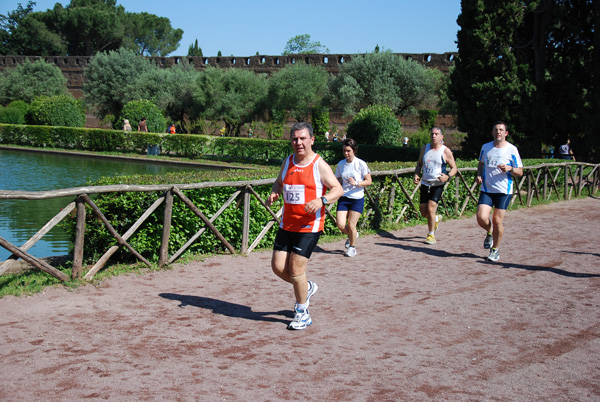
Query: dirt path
{"x": 403, "y": 321}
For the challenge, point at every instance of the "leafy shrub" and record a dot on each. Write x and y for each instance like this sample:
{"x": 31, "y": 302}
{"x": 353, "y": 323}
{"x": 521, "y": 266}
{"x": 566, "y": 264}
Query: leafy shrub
{"x": 320, "y": 121}
{"x": 59, "y": 110}
{"x": 427, "y": 119}
{"x": 274, "y": 130}
{"x": 19, "y": 104}
{"x": 11, "y": 115}
{"x": 376, "y": 125}
{"x": 420, "y": 138}
{"x": 136, "y": 110}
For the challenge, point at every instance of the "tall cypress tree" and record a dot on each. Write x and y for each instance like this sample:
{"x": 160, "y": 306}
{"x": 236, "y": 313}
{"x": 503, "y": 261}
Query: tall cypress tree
{"x": 489, "y": 81}
{"x": 534, "y": 64}
{"x": 573, "y": 73}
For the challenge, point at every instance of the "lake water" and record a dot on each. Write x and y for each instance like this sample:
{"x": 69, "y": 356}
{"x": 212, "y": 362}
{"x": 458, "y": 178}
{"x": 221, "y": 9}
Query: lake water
{"x": 36, "y": 171}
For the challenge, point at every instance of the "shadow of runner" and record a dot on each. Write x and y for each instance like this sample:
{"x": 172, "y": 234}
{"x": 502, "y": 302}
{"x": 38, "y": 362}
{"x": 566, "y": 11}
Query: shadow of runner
{"x": 422, "y": 249}
{"x": 226, "y": 308}
{"x": 481, "y": 259}
{"x": 557, "y": 271}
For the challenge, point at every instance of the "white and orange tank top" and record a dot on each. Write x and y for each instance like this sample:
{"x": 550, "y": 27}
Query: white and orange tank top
{"x": 301, "y": 184}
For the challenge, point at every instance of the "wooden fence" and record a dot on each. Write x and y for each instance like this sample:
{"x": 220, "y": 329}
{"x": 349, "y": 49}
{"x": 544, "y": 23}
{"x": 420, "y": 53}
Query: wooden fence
{"x": 391, "y": 198}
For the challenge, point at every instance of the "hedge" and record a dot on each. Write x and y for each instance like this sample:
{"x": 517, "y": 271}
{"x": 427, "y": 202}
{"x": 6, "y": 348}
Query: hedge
{"x": 188, "y": 145}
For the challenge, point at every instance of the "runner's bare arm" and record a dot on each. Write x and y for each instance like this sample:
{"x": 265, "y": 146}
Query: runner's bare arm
{"x": 277, "y": 188}
{"x": 419, "y": 166}
{"x": 449, "y": 157}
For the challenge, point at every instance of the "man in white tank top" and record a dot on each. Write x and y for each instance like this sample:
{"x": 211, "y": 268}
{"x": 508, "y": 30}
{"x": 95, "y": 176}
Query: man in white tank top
{"x": 433, "y": 161}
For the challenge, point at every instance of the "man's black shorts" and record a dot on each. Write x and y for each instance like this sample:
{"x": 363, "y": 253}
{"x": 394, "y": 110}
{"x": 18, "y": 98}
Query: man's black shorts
{"x": 298, "y": 243}
{"x": 431, "y": 193}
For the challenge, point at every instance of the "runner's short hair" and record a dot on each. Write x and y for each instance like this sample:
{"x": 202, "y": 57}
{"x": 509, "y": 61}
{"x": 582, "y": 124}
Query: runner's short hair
{"x": 301, "y": 126}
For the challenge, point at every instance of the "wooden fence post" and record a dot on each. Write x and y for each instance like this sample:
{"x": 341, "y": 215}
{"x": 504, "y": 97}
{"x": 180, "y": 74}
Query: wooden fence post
{"x": 580, "y": 187}
{"x": 545, "y": 183}
{"x": 79, "y": 239}
{"x": 245, "y": 221}
{"x": 566, "y": 169}
{"x": 529, "y": 189}
{"x": 163, "y": 253}
{"x": 457, "y": 195}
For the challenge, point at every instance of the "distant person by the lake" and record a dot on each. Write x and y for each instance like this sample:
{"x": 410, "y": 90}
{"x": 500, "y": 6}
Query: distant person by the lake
{"x": 171, "y": 129}
{"x": 142, "y": 125}
{"x": 566, "y": 152}
{"x": 126, "y": 125}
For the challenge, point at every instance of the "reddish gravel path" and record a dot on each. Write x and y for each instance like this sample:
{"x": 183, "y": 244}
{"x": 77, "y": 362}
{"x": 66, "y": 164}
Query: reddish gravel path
{"x": 403, "y": 321}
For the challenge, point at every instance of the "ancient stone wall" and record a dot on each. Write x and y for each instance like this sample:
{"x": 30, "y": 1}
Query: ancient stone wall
{"x": 73, "y": 66}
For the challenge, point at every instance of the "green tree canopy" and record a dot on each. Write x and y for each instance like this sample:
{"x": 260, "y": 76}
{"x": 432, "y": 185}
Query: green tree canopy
{"x": 110, "y": 77}
{"x": 83, "y": 28}
{"x": 91, "y": 26}
{"x": 150, "y": 35}
{"x": 386, "y": 79}
{"x": 169, "y": 88}
{"x": 30, "y": 80}
{"x": 301, "y": 44}
{"x": 297, "y": 88}
{"x": 234, "y": 96}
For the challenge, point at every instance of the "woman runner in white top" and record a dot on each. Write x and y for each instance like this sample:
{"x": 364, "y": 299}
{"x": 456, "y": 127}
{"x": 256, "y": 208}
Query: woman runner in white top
{"x": 354, "y": 175}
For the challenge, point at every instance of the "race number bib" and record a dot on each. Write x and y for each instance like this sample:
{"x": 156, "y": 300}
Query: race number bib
{"x": 494, "y": 162}
{"x": 294, "y": 193}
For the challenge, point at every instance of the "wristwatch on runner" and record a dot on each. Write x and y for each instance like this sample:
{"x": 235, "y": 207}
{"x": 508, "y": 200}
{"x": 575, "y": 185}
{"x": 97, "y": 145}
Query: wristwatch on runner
{"x": 324, "y": 200}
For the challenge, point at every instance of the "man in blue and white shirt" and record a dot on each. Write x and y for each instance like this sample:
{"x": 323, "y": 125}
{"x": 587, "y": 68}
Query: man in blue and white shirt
{"x": 499, "y": 162}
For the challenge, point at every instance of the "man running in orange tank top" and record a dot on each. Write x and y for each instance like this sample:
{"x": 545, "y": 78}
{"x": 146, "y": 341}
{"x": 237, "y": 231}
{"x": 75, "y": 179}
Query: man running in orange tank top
{"x": 303, "y": 180}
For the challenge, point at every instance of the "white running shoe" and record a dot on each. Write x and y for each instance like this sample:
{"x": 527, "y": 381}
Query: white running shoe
{"x": 351, "y": 252}
{"x": 494, "y": 255}
{"x": 312, "y": 289}
{"x": 301, "y": 320}
{"x": 348, "y": 241}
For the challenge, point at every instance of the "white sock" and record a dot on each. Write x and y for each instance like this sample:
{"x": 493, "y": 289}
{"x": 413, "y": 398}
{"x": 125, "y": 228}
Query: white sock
{"x": 301, "y": 307}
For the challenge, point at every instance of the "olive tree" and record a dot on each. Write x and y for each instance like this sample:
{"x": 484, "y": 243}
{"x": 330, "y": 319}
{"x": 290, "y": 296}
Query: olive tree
{"x": 234, "y": 96}
{"x": 110, "y": 78}
{"x": 385, "y": 79}
{"x": 296, "y": 89}
{"x": 169, "y": 88}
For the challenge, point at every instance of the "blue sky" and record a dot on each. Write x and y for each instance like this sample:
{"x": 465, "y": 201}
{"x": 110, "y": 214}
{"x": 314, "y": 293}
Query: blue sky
{"x": 242, "y": 28}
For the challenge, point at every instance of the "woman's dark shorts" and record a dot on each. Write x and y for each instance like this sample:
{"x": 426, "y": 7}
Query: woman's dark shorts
{"x": 351, "y": 204}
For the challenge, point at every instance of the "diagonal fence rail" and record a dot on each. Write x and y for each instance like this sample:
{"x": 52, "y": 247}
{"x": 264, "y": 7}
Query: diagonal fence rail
{"x": 392, "y": 198}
